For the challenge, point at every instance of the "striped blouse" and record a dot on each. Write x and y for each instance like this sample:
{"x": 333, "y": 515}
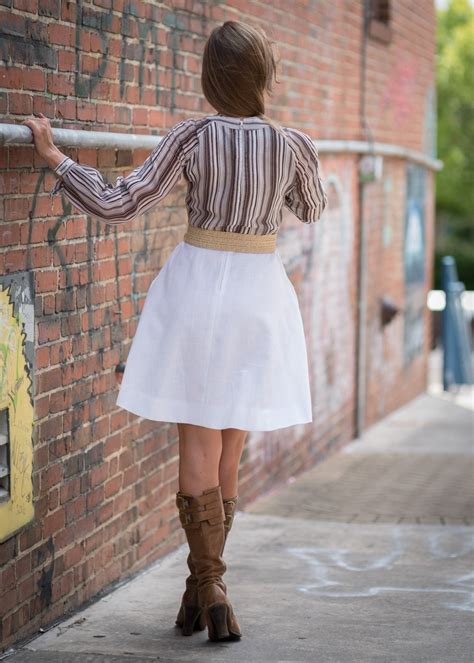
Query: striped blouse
{"x": 240, "y": 174}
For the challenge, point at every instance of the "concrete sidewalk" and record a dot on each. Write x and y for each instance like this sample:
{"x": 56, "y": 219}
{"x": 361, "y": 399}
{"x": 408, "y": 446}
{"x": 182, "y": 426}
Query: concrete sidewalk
{"x": 369, "y": 556}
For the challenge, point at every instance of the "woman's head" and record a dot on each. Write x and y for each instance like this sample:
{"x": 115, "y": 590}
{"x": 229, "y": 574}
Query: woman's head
{"x": 238, "y": 68}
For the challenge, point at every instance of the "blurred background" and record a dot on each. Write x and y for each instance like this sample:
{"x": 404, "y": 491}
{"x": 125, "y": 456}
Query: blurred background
{"x": 455, "y": 138}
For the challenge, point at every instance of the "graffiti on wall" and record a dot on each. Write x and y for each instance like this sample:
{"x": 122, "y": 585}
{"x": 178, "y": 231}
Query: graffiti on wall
{"x": 16, "y": 403}
{"x": 414, "y": 262}
{"x": 141, "y": 41}
{"x": 319, "y": 260}
{"x": 327, "y": 289}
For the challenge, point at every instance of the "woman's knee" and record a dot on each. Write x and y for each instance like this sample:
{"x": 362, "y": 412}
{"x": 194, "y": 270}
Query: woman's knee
{"x": 199, "y": 444}
{"x": 233, "y": 437}
{"x": 233, "y": 441}
{"x": 199, "y": 456}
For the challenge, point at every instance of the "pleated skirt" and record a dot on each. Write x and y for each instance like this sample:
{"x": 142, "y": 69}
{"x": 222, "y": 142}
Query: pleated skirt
{"x": 220, "y": 343}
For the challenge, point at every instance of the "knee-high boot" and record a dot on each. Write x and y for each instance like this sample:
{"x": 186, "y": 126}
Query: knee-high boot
{"x": 189, "y": 616}
{"x": 202, "y": 518}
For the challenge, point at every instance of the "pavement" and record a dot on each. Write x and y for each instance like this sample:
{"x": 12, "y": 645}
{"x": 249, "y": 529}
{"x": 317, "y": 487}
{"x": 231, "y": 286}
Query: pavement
{"x": 368, "y": 556}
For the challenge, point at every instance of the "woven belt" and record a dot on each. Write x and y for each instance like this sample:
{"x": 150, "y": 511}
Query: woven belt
{"x": 230, "y": 241}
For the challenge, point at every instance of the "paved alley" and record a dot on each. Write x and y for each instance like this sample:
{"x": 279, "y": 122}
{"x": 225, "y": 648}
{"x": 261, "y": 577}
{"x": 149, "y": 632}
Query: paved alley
{"x": 366, "y": 557}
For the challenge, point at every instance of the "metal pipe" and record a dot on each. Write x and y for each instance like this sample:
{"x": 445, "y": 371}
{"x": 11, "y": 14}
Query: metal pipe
{"x": 15, "y": 134}
{"x": 381, "y": 149}
{"x": 360, "y": 354}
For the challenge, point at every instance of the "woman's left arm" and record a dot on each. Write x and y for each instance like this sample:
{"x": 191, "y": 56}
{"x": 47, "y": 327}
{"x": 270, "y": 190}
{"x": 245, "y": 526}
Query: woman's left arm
{"x": 131, "y": 196}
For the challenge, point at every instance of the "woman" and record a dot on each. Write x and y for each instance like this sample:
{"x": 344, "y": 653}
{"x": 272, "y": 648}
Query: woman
{"x": 220, "y": 346}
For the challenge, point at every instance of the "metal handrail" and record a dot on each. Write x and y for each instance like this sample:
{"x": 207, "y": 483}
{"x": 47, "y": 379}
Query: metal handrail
{"x": 16, "y": 134}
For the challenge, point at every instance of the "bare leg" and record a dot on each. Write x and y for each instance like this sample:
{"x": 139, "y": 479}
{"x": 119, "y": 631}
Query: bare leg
{"x": 205, "y": 603}
{"x": 199, "y": 453}
{"x": 233, "y": 440}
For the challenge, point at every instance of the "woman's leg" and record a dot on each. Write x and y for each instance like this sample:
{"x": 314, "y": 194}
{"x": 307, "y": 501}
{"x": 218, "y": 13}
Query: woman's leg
{"x": 202, "y": 515}
{"x": 200, "y": 450}
{"x": 233, "y": 440}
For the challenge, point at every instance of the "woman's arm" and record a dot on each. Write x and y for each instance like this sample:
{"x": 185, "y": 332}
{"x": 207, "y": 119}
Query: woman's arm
{"x": 307, "y": 197}
{"x": 131, "y": 196}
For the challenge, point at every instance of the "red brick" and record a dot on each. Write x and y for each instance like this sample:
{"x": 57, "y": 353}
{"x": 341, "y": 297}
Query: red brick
{"x": 30, "y": 6}
{"x": 53, "y": 523}
{"x": 86, "y": 111}
{"x": 10, "y": 234}
{"x": 61, "y": 34}
{"x": 61, "y": 84}
{"x": 51, "y": 476}
{"x": 46, "y": 280}
{"x": 66, "y": 108}
{"x": 33, "y": 79}
{"x": 20, "y": 104}
{"x": 66, "y": 60}
{"x": 48, "y": 330}
{"x": 15, "y": 261}
{"x": 16, "y": 208}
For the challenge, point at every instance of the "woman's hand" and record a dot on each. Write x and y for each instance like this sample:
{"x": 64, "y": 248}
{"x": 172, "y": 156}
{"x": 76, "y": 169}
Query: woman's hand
{"x": 43, "y": 140}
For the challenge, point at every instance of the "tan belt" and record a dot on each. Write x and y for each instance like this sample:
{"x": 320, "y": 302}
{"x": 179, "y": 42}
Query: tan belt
{"x": 230, "y": 241}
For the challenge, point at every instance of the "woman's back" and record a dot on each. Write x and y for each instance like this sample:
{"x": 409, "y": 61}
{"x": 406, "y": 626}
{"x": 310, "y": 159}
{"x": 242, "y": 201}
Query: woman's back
{"x": 240, "y": 170}
{"x": 240, "y": 175}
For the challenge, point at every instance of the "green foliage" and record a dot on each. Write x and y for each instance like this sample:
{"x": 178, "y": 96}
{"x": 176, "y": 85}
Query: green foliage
{"x": 455, "y": 129}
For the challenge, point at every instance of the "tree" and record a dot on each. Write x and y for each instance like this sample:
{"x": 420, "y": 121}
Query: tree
{"x": 455, "y": 183}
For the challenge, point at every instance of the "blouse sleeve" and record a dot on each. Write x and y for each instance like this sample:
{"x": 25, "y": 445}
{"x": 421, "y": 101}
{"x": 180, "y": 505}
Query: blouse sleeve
{"x": 307, "y": 197}
{"x": 133, "y": 195}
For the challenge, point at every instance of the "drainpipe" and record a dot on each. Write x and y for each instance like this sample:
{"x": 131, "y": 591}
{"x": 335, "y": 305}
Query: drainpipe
{"x": 361, "y": 335}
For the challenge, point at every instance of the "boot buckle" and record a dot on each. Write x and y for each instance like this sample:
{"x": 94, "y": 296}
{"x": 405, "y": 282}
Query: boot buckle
{"x": 181, "y": 502}
{"x": 185, "y": 518}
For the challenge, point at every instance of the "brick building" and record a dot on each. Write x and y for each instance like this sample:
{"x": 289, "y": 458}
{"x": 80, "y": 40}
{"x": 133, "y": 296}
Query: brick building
{"x": 87, "y": 490}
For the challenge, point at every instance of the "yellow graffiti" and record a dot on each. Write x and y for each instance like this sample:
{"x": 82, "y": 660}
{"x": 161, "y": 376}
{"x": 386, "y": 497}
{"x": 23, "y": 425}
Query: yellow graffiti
{"x": 17, "y": 508}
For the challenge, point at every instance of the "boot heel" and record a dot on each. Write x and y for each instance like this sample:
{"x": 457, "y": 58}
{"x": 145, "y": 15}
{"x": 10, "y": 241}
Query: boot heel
{"x": 192, "y": 620}
{"x": 217, "y": 622}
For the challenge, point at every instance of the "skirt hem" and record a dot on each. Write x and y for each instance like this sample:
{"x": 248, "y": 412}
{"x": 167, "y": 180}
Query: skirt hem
{"x": 176, "y": 411}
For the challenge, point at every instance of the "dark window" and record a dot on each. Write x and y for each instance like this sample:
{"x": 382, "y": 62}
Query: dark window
{"x": 4, "y": 455}
{"x": 380, "y": 10}
{"x": 379, "y": 20}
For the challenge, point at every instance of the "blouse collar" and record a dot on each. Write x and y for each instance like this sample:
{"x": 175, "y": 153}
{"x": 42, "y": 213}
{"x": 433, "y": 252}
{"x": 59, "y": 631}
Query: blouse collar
{"x": 238, "y": 121}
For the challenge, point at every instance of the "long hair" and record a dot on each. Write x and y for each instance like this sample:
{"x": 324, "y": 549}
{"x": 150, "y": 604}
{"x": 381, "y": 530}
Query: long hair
{"x": 238, "y": 66}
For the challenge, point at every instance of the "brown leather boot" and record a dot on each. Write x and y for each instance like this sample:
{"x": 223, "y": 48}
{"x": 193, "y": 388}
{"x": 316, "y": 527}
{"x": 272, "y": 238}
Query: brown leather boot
{"x": 189, "y": 616}
{"x": 203, "y": 519}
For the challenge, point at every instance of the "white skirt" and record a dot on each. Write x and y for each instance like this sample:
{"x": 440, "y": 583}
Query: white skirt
{"x": 220, "y": 343}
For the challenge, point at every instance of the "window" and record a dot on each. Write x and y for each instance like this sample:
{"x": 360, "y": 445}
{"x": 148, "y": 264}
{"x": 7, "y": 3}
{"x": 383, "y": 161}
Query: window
{"x": 380, "y": 10}
{"x": 379, "y": 20}
{"x": 4, "y": 455}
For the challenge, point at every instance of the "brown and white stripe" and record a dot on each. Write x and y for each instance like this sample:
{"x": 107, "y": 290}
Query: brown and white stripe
{"x": 240, "y": 175}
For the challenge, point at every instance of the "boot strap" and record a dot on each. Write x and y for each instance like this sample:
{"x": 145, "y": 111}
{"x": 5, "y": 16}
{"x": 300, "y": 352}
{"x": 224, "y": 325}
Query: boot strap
{"x": 192, "y": 511}
{"x": 229, "y": 510}
{"x": 185, "y": 501}
{"x": 194, "y": 516}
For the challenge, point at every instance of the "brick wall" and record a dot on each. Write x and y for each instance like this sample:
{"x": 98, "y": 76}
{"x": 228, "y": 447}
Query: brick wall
{"x": 104, "y": 480}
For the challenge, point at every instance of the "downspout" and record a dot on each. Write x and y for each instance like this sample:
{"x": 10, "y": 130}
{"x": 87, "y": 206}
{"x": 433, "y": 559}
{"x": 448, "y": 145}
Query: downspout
{"x": 361, "y": 334}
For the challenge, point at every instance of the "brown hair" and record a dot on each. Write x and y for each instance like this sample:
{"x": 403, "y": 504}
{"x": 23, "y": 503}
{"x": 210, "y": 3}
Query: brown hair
{"x": 238, "y": 67}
